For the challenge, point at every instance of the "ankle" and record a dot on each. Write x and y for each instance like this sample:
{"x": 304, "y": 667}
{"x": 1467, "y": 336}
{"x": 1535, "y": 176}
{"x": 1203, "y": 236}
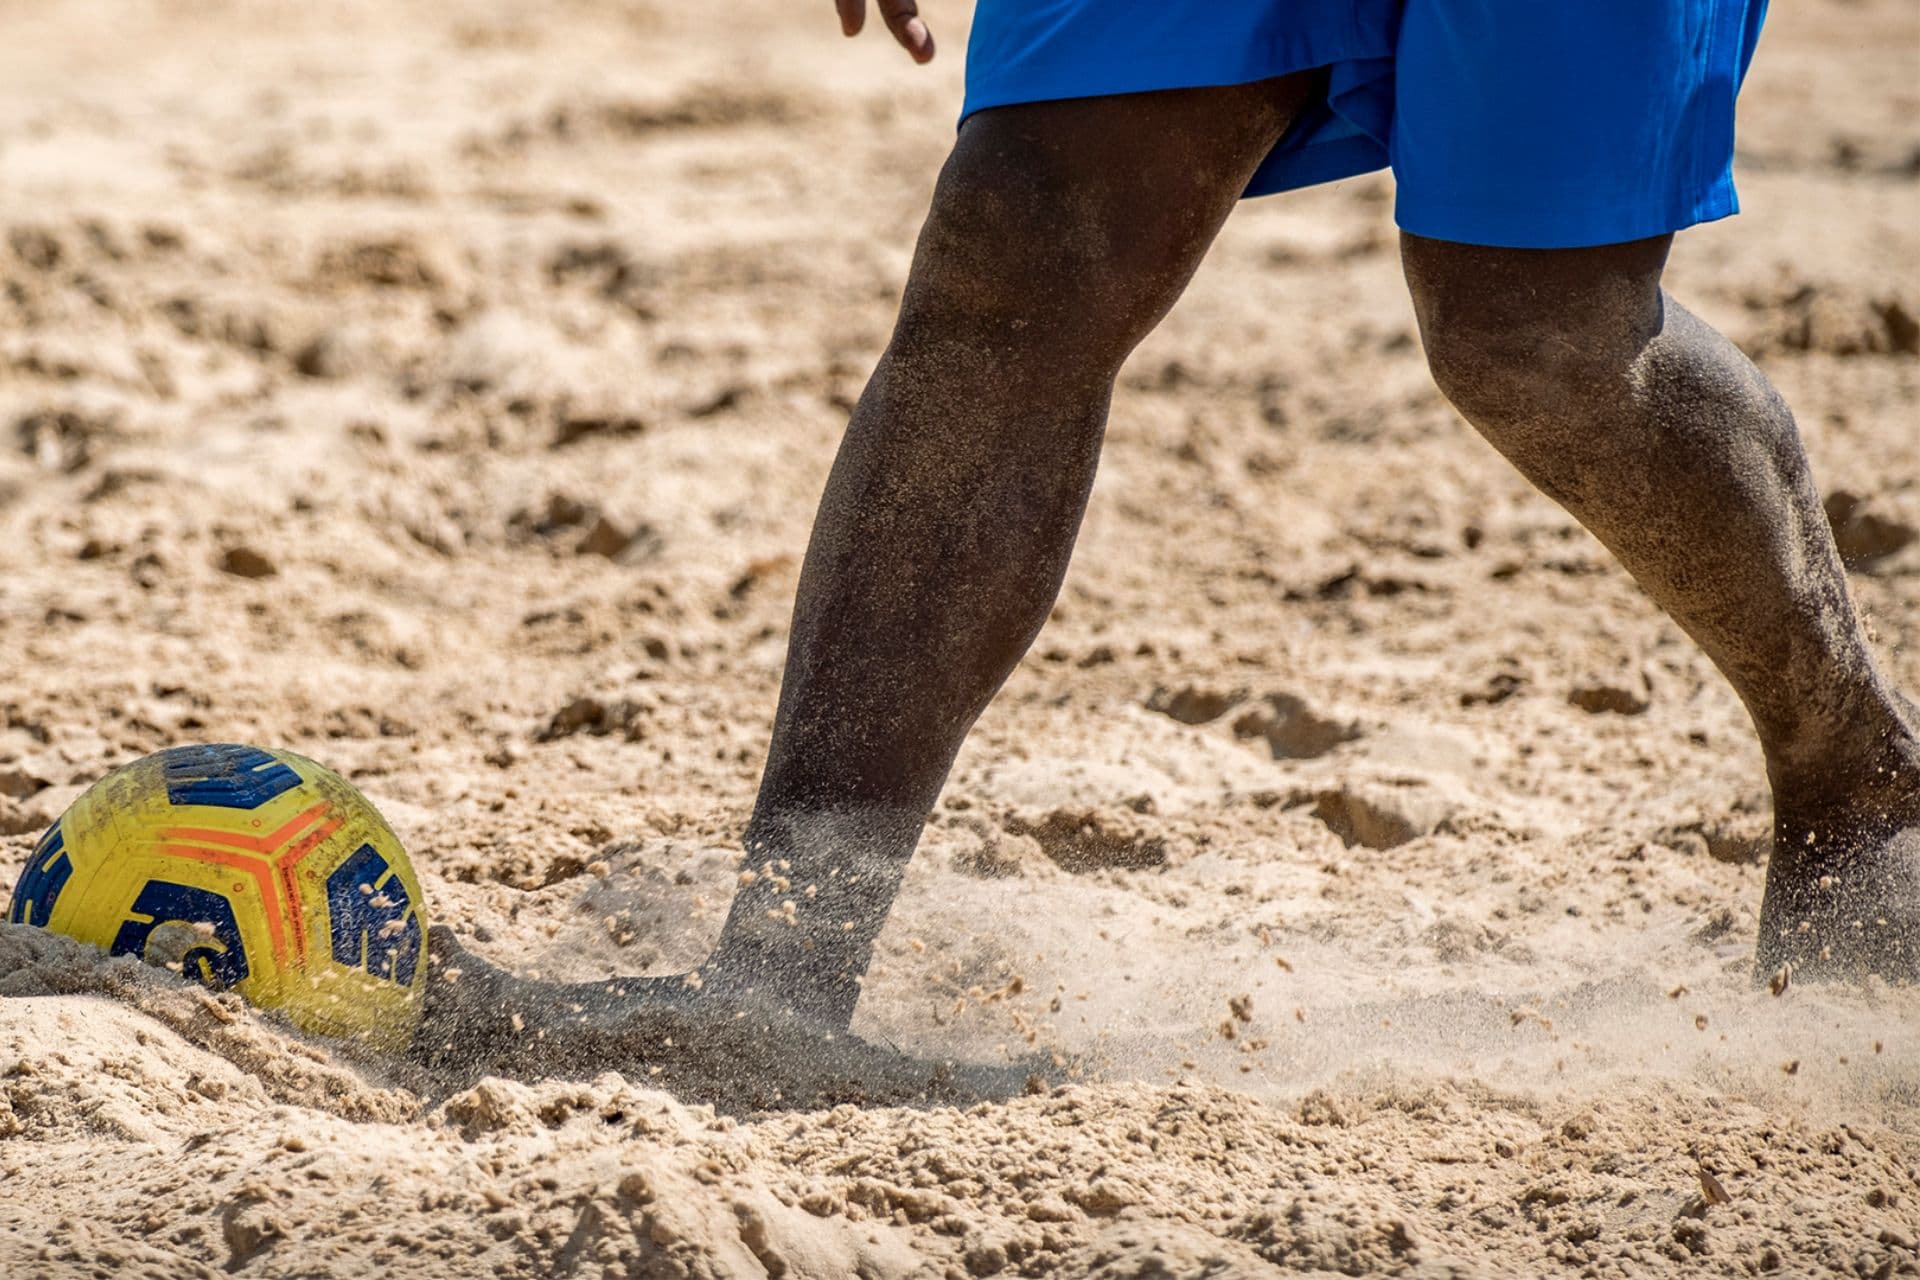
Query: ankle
{"x": 1883, "y": 773}
{"x": 1870, "y": 749}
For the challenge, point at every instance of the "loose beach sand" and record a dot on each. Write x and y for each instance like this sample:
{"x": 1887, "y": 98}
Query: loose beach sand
{"x": 442, "y": 390}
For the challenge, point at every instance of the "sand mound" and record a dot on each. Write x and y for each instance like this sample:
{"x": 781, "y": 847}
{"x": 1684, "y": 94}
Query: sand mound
{"x": 175, "y": 1131}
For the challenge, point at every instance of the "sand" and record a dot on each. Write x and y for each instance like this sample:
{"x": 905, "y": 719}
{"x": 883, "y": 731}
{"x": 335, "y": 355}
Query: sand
{"x": 442, "y": 390}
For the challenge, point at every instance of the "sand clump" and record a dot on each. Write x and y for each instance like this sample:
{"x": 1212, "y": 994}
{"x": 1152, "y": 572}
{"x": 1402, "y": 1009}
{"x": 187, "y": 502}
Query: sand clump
{"x": 1359, "y": 876}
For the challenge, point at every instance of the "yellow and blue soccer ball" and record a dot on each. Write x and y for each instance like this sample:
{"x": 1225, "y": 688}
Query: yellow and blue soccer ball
{"x": 251, "y": 870}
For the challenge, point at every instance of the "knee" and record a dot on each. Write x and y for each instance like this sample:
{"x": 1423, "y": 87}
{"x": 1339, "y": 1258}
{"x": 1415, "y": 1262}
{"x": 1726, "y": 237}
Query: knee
{"x": 1027, "y": 252}
{"x": 1508, "y": 368}
{"x": 978, "y": 260}
{"x": 1513, "y": 339}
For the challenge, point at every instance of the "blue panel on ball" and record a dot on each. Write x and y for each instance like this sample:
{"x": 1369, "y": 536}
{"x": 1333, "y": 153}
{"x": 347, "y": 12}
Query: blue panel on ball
{"x": 225, "y": 775}
{"x": 45, "y": 876}
{"x": 220, "y": 962}
{"x": 361, "y": 909}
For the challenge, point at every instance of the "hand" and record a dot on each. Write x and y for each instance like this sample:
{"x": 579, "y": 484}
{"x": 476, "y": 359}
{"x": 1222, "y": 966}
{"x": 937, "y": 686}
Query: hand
{"x": 902, "y": 18}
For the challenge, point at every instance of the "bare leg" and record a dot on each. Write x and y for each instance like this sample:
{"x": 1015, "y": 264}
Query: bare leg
{"x": 1060, "y": 234}
{"x": 1665, "y": 442}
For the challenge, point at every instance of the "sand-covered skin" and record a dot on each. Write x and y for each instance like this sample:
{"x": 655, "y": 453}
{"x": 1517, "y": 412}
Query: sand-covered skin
{"x": 442, "y": 390}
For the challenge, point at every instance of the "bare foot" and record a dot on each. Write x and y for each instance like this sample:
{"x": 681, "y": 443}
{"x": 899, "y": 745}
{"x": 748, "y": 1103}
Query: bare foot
{"x": 478, "y": 1013}
{"x": 1843, "y": 886}
{"x": 702, "y": 1044}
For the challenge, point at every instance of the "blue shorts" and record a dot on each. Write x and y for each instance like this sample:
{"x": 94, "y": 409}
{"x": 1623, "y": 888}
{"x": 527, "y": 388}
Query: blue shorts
{"x": 1527, "y": 124}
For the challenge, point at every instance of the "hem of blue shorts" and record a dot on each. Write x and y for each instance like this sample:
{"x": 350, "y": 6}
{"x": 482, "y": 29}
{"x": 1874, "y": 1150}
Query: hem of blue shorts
{"x": 1310, "y": 166}
{"x": 1523, "y": 224}
{"x": 1025, "y": 86}
{"x": 1286, "y": 168}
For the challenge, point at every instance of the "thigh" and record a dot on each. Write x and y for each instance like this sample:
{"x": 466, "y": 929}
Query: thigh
{"x": 1526, "y": 124}
{"x": 1099, "y": 207}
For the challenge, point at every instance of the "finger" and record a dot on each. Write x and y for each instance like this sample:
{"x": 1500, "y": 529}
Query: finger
{"x": 903, "y": 19}
{"x": 853, "y": 16}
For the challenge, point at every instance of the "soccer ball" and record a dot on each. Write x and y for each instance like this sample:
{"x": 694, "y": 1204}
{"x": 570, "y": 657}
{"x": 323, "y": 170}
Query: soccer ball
{"x": 252, "y": 870}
